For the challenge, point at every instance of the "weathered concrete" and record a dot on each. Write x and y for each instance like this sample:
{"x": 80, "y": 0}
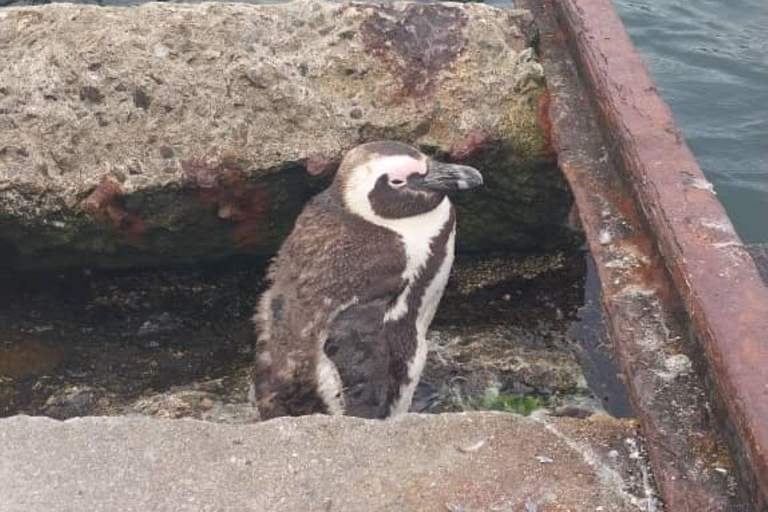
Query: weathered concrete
{"x": 759, "y": 253}
{"x": 163, "y": 132}
{"x": 456, "y": 462}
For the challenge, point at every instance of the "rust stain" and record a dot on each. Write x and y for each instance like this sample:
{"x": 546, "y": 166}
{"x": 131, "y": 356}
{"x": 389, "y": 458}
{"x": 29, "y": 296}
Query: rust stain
{"x": 106, "y": 201}
{"x": 222, "y": 184}
{"x": 557, "y": 35}
{"x": 651, "y": 273}
{"x": 415, "y": 42}
{"x": 470, "y": 146}
{"x": 542, "y": 116}
{"x": 107, "y": 191}
{"x": 31, "y": 356}
{"x": 560, "y": 36}
{"x": 710, "y": 451}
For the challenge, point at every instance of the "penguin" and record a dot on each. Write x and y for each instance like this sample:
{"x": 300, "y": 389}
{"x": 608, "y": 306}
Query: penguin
{"x": 341, "y": 328}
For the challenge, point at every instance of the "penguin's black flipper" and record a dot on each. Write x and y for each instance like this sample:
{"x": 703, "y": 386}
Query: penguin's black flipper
{"x": 355, "y": 347}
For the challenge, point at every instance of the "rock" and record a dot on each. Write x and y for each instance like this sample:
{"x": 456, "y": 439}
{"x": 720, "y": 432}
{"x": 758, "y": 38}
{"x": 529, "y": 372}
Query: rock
{"x": 155, "y": 341}
{"x": 471, "y": 363}
{"x": 160, "y": 133}
{"x": 72, "y": 401}
{"x": 502, "y": 334}
{"x": 478, "y": 462}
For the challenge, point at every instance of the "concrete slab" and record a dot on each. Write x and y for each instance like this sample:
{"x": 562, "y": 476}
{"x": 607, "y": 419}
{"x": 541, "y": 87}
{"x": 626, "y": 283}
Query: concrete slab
{"x": 759, "y": 253}
{"x": 467, "y": 462}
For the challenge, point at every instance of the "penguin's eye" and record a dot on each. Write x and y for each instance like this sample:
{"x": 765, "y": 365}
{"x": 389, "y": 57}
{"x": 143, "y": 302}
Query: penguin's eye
{"x": 397, "y": 183}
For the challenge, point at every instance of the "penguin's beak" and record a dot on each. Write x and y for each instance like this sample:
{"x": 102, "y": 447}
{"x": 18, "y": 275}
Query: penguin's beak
{"x": 442, "y": 177}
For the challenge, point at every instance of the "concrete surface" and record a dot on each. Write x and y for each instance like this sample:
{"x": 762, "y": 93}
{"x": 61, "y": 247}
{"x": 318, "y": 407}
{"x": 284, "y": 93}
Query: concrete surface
{"x": 454, "y": 462}
{"x": 759, "y": 253}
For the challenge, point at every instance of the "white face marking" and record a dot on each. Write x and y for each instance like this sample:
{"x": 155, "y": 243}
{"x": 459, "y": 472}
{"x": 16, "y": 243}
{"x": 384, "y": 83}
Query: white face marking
{"x": 462, "y": 184}
{"x": 429, "y": 303}
{"x": 364, "y": 178}
{"x": 416, "y": 233}
{"x": 398, "y": 167}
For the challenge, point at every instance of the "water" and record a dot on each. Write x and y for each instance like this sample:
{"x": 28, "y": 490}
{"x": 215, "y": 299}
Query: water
{"x": 710, "y": 61}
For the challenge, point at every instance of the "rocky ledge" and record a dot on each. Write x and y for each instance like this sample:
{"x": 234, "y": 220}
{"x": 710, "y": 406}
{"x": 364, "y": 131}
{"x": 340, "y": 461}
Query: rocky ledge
{"x": 160, "y": 133}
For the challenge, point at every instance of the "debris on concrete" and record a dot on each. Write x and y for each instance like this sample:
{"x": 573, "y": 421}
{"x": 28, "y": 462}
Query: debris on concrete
{"x": 759, "y": 253}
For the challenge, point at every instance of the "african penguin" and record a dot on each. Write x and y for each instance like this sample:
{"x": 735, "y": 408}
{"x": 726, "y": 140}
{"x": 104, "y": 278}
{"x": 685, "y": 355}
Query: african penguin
{"x": 353, "y": 289}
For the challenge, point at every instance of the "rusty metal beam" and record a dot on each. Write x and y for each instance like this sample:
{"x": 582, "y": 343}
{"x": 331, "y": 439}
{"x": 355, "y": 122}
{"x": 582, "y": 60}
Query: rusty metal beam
{"x": 723, "y": 294}
{"x": 692, "y": 467}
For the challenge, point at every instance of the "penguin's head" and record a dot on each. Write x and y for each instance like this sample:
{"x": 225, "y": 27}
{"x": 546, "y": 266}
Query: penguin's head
{"x": 392, "y": 180}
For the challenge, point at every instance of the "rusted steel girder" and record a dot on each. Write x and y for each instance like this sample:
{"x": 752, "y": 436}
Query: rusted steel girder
{"x": 692, "y": 467}
{"x": 724, "y": 297}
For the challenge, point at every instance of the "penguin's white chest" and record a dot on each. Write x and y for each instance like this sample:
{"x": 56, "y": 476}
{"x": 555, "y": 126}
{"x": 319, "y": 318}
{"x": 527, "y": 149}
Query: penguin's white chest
{"x": 434, "y": 290}
{"x": 427, "y": 310}
{"x": 417, "y": 244}
{"x": 417, "y": 234}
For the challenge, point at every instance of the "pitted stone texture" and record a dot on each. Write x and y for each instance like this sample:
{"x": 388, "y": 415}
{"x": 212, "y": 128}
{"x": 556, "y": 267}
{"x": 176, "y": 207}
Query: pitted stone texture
{"x": 477, "y": 462}
{"x": 759, "y": 253}
{"x": 162, "y": 132}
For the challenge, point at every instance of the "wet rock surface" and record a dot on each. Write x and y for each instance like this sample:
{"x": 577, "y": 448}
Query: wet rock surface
{"x": 162, "y": 133}
{"x": 163, "y": 342}
{"x": 173, "y": 343}
{"x": 506, "y": 329}
{"x": 453, "y": 462}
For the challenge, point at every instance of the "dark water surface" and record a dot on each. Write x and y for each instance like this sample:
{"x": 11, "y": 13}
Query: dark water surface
{"x": 710, "y": 61}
